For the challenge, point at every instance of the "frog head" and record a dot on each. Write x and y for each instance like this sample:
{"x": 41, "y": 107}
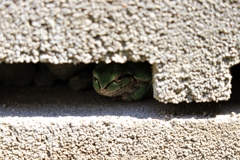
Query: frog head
{"x": 112, "y": 79}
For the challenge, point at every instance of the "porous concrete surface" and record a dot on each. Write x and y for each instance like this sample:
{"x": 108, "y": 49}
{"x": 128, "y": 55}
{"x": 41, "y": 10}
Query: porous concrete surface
{"x": 119, "y": 138}
{"x": 192, "y": 44}
{"x": 59, "y": 123}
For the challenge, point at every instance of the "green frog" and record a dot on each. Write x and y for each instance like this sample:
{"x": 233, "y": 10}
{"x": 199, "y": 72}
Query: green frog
{"x": 128, "y": 82}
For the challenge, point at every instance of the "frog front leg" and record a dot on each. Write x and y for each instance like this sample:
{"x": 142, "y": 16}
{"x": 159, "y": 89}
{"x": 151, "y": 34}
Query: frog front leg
{"x": 141, "y": 90}
{"x": 124, "y": 97}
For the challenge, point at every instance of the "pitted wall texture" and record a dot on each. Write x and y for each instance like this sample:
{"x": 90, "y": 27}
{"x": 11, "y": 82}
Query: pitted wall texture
{"x": 191, "y": 44}
{"x": 119, "y": 138}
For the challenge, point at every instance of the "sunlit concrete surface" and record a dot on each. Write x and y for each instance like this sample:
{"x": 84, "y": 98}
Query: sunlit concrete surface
{"x": 191, "y": 46}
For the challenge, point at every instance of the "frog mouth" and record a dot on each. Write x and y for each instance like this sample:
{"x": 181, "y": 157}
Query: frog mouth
{"x": 115, "y": 93}
{"x": 106, "y": 92}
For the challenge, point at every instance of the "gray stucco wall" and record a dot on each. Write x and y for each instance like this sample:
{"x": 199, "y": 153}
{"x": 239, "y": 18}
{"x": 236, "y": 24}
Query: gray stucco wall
{"x": 190, "y": 44}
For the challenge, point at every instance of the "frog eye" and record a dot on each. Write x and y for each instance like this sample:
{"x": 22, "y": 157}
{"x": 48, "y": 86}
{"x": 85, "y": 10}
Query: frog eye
{"x": 94, "y": 78}
{"x": 119, "y": 79}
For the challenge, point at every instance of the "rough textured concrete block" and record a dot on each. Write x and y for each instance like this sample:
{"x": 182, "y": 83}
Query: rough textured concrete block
{"x": 112, "y": 138}
{"x": 192, "y": 44}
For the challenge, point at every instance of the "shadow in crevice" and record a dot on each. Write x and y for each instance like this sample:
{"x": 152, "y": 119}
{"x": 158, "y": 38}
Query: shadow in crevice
{"x": 235, "y": 97}
{"x": 60, "y": 100}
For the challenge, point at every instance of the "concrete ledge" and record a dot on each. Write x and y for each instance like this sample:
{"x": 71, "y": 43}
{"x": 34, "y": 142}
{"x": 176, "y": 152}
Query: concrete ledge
{"x": 59, "y": 123}
{"x": 191, "y": 45}
{"x": 120, "y": 138}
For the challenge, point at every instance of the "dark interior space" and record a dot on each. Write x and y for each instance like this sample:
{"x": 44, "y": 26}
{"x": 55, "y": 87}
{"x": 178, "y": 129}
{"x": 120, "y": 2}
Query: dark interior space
{"x": 235, "y": 71}
{"x": 59, "y": 99}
